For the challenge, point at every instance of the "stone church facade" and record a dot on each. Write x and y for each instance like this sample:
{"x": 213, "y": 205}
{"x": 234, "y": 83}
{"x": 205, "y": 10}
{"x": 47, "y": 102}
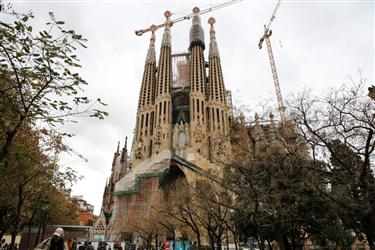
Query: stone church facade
{"x": 182, "y": 128}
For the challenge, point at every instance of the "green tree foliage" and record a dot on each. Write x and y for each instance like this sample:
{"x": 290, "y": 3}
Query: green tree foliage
{"x": 40, "y": 89}
{"x": 61, "y": 210}
{"x": 352, "y": 192}
{"x": 34, "y": 176}
{"x": 279, "y": 195}
{"x": 38, "y": 77}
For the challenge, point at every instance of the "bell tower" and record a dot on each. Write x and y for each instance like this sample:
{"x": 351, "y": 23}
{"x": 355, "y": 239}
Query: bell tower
{"x": 217, "y": 107}
{"x": 163, "y": 103}
{"x": 199, "y": 139}
{"x": 144, "y": 129}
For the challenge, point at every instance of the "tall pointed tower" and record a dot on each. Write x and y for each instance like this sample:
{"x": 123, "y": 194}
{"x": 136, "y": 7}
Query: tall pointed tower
{"x": 198, "y": 87}
{"x": 163, "y": 105}
{"x": 144, "y": 129}
{"x": 217, "y": 107}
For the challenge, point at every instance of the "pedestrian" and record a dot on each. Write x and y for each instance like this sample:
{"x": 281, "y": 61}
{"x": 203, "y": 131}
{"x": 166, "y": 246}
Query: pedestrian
{"x": 74, "y": 245}
{"x": 70, "y": 244}
{"x": 4, "y": 245}
{"x": 55, "y": 242}
{"x": 89, "y": 246}
{"x": 81, "y": 246}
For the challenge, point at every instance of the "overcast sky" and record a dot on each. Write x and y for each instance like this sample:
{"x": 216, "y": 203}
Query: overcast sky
{"x": 316, "y": 44}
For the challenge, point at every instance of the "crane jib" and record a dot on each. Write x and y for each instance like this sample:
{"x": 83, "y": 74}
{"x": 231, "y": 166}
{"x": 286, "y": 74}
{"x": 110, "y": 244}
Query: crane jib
{"x": 187, "y": 17}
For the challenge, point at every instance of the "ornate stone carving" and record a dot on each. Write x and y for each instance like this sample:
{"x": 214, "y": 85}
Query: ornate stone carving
{"x": 181, "y": 135}
{"x": 158, "y": 134}
{"x": 138, "y": 152}
{"x": 198, "y": 132}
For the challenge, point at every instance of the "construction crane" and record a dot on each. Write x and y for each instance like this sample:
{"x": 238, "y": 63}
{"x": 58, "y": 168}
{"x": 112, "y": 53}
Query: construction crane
{"x": 196, "y": 10}
{"x": 78, "y": 154}
{"x": 266, "y": 36}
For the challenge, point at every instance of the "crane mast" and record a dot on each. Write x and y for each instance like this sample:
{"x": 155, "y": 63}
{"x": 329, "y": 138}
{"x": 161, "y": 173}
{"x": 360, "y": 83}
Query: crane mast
{"x": 167, "y": 14}
{"x": 266, "y": 36}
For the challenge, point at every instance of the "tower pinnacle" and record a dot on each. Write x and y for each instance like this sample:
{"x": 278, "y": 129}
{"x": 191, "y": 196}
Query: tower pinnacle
{"x": 196, "y": 31}
{"x": 151, "y": 58}
{"x": 126, "y": 144}
{"x": 166, "y": 41}
{"x": 213, "y": 44}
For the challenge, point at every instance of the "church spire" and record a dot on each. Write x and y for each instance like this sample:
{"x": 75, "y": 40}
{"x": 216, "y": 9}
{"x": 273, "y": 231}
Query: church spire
{"x": 215, "y": 78}
{"x": 126, "y": 144}
{"x": 166, "y": 41}
{"x": 198, "y": 86}
{"x": 213, "y": 44}
{"x": 163, "y": 102}
{"x": 217, "y": 108}
{"x": 151, "y": 58}
{"x": 124, "y": 151}
{"x": 165, "y": 60}
{"x": 146, "y": 97}
{"x": 145, "y": 114}
{"x": 196, "y": 31}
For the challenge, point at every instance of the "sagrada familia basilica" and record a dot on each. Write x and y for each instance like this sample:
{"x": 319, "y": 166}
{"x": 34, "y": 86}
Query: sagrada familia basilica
{"x": 182, "y": 129}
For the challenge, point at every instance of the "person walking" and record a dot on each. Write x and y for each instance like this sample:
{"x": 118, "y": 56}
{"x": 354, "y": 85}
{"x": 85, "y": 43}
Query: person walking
{"x": 55, "y": 242}
{"x": 4, "y": 245}
{"x": 89, "y": 246}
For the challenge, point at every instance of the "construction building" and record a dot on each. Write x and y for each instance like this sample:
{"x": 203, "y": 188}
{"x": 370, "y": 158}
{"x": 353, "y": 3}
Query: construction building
{"x": 182, "y": 129}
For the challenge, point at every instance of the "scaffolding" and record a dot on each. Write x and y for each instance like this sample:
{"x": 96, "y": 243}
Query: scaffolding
{"x": 181, "y": 70}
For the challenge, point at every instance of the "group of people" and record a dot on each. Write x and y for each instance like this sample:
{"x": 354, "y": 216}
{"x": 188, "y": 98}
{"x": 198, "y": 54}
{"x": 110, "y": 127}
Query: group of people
{"x": 55, "y": 242}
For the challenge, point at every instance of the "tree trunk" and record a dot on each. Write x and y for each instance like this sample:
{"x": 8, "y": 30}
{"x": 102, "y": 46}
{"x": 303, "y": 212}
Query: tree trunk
{"x": 294, "y": 247}
{"x": 156, "y": 242}
{"x": 199, "y": 240}
{"x": 282, "y": 241}
{"x": 261, "y": 243}
{"x": 212, "y": 241}
{"x": 218, "y": 244}
{"x": 148, "y": 239}
{"x": 368, "y": 224}
{"x": 18, "y": 216}
{"x": 9, "y": 139}
{"x": 286, "y": 242}
{"x": 37, "y": 236}
{"x": 226, "y": 232}
{"x": 28, "y": 236}
{"x": 174, "y": 241}
{"x": 44, "y": 225}
{"x": 234, "y": 238}
{"x": 370, "y": 240}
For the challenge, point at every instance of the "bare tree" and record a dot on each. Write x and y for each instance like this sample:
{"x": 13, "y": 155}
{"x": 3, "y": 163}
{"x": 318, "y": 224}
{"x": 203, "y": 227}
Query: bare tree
{"x": 339, "y": 130}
